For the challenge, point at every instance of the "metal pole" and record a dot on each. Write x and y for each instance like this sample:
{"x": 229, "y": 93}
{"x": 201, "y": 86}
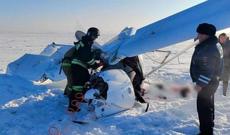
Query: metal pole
{"x": 166, "y": 62}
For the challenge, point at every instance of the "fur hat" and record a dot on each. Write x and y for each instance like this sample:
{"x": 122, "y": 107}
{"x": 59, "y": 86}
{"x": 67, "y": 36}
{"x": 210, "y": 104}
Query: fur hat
{"x": 207, "y": 29}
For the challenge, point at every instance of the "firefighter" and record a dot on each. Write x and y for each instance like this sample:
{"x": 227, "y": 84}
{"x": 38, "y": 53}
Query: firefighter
{"x": 79, "y": 60}
{"x": 66, "y": 67}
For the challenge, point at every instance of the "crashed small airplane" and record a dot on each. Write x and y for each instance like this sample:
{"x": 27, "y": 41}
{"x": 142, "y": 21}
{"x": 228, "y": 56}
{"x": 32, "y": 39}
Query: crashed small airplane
{"x": 120, "y": 93}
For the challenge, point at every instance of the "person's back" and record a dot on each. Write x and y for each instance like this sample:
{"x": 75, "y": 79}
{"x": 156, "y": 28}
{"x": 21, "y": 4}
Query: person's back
{"x": 66, "y": 67}
{"x": 83, "y": 50}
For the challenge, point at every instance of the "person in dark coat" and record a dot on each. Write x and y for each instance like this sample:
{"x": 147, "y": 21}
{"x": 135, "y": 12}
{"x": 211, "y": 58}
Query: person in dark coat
{"x": 205, "y": 70}
{"x": 134, "y": 64}
{"x": 133, "y": 68}
{"x": 80, "y": 59}
{"x": 225, "y": 42}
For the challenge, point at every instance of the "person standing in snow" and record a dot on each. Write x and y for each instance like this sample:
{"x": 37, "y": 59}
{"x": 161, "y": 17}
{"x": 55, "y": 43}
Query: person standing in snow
{"x": 205, "y": 70}
{"x": 225, "y": 42}
{"x": 80, "y": 58}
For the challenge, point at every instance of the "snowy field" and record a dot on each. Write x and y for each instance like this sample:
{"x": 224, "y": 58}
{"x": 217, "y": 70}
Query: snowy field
{"x": 14, "y": 45}
{"x": 33, "y": 109}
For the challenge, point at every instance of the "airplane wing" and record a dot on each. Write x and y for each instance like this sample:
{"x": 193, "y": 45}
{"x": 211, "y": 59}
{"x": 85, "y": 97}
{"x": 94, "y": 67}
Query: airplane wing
{"x": 174, "y": 29}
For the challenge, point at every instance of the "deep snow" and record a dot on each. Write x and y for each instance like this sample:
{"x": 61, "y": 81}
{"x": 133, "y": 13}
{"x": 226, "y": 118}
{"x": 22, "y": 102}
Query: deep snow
{"x": 31, "y": 108}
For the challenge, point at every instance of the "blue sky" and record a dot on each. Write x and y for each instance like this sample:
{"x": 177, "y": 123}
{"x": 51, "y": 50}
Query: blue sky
{"x": 68, "y": 15}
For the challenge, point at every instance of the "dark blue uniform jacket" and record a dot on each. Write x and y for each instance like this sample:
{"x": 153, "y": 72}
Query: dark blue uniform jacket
{"x": 207, "y": 62}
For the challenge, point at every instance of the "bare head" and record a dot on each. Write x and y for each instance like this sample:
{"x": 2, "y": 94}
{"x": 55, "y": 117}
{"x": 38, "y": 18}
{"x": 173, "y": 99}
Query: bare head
{"x": 223, "y": 38}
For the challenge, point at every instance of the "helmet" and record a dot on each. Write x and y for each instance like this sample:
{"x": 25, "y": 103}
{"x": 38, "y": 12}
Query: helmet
{"x": 93, "y": 32}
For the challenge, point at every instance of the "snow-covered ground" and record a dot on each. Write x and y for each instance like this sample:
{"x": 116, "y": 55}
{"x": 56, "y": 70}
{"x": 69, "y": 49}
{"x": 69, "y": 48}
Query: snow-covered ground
{"x": 28, "y": 108}
{"x": 14, "y": 45}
